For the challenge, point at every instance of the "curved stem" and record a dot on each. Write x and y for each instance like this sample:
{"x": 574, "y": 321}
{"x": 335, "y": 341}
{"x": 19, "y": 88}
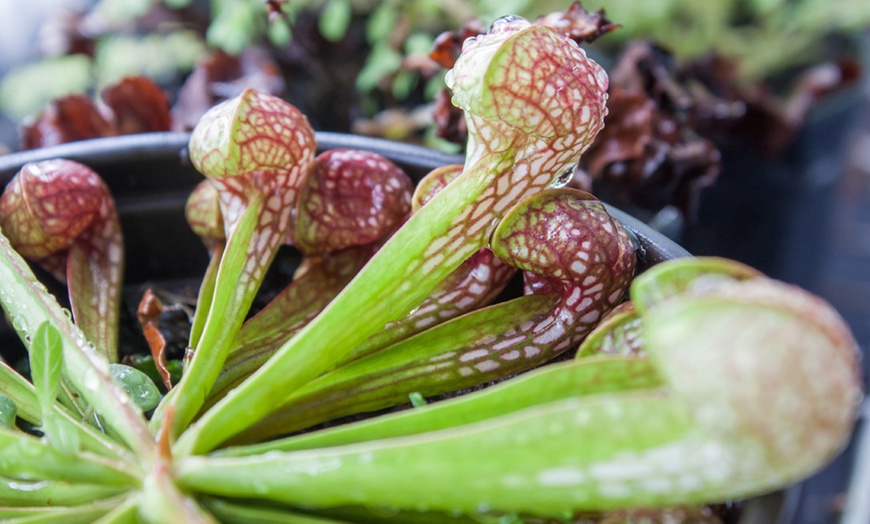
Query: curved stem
{"x": 474, "y": 284}
{"x": 249, "y": 251}
{"x": 255, "y": 150}
{"x": 206, "y": 293}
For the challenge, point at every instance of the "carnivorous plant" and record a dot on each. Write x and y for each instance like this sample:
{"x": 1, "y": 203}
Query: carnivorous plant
{"x": 713, "y": 384}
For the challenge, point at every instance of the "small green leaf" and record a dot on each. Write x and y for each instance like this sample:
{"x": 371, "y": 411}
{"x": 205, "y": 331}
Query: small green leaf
{"x": 8, "y": 412}
{"x": 46, "y": 361}
{"x": 280, "y": 33}
{"x": 381, "y": 22}
{"x": 417, "y": 399}
{"x": 23, "y": 90}
{"x": 419, "y": 43}
{"x": 403, "y": 84}
{"x": 335, "y": 19}
{"x": 235, "y": 26}
{"x": 138, "y": 386}
{"x": 383, "y": 61}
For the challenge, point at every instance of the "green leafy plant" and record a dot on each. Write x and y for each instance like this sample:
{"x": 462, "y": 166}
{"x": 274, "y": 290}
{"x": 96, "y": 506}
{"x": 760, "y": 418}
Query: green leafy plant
{"x": 765, "y": 37}
{"x": 696, "y": 394}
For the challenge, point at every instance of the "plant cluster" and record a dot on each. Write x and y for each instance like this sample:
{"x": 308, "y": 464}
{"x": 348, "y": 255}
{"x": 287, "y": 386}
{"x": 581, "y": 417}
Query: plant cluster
{"x": 705, "y": 387}
{"x": 390, "y": 41}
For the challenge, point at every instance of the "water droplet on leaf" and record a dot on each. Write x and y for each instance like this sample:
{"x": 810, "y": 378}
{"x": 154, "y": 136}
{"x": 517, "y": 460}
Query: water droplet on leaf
{"x": 563, "y": 179}
{"x": 138, "y": 386}
{"x": 499, "y": 23}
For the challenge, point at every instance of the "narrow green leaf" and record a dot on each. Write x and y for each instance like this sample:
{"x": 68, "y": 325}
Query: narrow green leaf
{"x": 230, "y": 303}
{"x": 46, "y": 363}
{"x": 280, "y": 32}
{"x": 206, "y": 295}
{"x": 381, "y": 21}
{"x": 416, "y": 363}
{"x": 127, "y": 512}
{"x": 382, "y": 61}
{"x": 20, "y": 391}
{"x": 23, "y": 394}
{"x": 235, "y": 25}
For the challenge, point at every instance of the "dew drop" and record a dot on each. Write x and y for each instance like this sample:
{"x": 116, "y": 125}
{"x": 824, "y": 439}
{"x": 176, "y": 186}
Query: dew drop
{"x": 91, "y": 381}
{"x": 27, "y": 486}
{"x": 448, "y": 79}
{"x": 500, "y": 23}
{"x": 563, "y": 179}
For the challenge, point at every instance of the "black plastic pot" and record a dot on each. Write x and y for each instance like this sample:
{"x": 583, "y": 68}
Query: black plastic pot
{"x": 151, "y": 178}
{"x": 775, "y": 213}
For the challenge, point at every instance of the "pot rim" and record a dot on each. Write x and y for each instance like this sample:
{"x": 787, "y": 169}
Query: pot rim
{"x": 654, "y": 246}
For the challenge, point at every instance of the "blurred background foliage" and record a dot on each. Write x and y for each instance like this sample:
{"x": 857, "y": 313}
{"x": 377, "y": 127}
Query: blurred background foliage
{"x": 391, "y": 39}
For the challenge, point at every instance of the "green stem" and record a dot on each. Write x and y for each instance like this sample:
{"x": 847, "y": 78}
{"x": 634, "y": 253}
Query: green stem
{"x": 236, "y": 286}
{"x": 558, "y": 381}
{"x": 206, "y": 294}
{"x": 162, "y": 501}
{"x": 262, "y": 335}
